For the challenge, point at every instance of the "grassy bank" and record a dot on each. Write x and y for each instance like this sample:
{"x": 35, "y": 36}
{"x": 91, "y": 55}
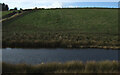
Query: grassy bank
{"x": 64, "y": 28}
{"x": 5, "y": 12}
{"x": 68, "y": 67}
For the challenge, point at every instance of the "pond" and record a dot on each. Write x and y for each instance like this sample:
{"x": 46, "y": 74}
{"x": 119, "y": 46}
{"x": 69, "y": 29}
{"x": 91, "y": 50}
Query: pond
{"x": 37, "y": 56}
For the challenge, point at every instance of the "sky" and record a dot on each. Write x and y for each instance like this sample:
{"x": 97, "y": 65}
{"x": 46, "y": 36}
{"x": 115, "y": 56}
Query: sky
{"x": 27, "y": 4}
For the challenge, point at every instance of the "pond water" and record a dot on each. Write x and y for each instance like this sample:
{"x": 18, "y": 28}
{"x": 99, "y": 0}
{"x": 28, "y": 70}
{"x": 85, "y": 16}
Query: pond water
{"x": 37, "y": 56}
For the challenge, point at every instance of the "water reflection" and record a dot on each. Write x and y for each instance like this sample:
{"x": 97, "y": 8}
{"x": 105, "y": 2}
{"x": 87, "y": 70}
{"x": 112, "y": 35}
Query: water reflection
{"x": 37, "y": 56}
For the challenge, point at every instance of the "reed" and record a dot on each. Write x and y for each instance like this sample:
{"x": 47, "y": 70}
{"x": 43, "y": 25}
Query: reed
{"x": 68, "y": 67}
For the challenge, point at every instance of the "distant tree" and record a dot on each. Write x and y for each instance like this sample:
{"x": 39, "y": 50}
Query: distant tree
{"x": 15, "y": 8}
{"x": 36, "y": 8}
{"x": 5, "y": 7}
{"x": 21, "y": 9}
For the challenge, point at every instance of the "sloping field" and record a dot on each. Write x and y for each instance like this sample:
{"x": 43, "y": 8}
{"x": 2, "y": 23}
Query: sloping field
{"x": 6, "y": 12}
{"x": 73, "y": 28}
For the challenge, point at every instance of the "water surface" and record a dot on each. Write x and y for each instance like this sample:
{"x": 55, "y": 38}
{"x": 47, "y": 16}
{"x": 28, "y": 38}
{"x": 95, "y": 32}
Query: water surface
{"x": 37, "y": 56}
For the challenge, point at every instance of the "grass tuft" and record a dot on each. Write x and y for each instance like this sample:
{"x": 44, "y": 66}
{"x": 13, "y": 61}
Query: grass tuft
{"x": 68, "y": 67}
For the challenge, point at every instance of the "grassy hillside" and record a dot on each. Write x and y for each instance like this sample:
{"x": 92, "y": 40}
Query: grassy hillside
{"x": 6, "y": 12}
{"x": 63, "y": 28}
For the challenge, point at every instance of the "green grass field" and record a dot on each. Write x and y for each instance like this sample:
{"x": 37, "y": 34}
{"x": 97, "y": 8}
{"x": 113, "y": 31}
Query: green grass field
{"x": 66, "y": 28}
{"x": 6, "y": 12}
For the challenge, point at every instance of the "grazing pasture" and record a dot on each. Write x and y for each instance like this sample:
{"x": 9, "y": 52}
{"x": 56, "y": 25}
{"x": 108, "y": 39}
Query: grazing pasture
{"x": 6, "y": 12}
{"x": 64, "y": 28}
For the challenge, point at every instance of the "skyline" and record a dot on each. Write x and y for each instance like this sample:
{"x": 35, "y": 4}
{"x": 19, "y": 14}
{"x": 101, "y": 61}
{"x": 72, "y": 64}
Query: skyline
{"x": 25, "y": 4}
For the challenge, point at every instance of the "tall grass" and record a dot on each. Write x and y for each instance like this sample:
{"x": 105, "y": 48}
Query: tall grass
{"x": 68, "y": 67}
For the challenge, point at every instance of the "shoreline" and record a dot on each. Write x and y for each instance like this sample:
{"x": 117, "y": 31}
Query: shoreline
{"x": 81, "y": 47}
